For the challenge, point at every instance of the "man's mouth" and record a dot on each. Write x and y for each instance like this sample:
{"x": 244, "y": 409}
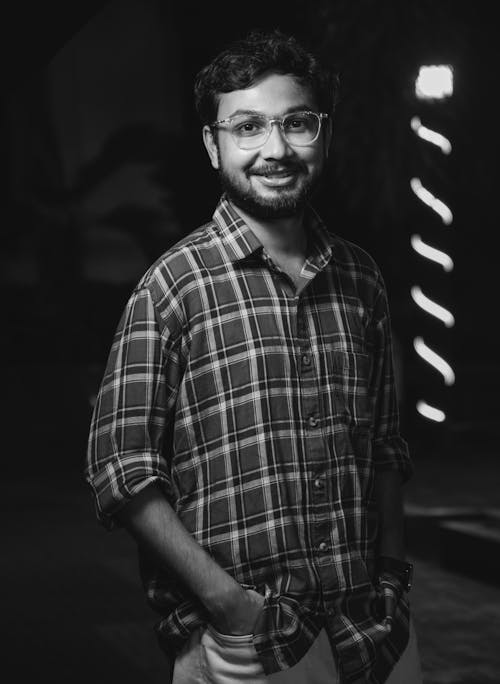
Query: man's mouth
{"x": 277, "y": 180}
{"x": 276, "y": 177}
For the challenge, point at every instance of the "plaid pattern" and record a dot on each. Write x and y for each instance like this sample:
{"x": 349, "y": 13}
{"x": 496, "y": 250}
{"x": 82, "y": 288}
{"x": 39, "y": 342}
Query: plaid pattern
{"x": 263, "y": 415}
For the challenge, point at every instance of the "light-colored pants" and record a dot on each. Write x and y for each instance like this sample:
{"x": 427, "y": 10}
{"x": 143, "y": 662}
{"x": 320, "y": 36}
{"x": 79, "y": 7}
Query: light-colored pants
{"x": 212, "y": 658}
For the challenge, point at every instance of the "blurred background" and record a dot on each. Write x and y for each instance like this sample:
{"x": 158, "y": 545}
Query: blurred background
{"x": 103, "y": 169}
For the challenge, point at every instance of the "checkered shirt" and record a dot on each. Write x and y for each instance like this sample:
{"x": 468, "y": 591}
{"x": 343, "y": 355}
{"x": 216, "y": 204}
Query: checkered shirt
{"x": 263, "y": 414}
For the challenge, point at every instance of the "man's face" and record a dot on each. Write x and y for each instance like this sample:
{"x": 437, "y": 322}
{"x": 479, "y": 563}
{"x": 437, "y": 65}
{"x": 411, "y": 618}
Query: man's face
{"x": 274, "y": 180}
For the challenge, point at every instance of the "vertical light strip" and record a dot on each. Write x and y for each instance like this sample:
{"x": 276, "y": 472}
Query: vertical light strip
{"x": 434, "y": 82}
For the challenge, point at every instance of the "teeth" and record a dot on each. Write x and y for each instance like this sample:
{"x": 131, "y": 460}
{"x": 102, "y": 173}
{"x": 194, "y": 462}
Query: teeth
{"x": 277, "y": 180}
{"x": 277, "y": 174}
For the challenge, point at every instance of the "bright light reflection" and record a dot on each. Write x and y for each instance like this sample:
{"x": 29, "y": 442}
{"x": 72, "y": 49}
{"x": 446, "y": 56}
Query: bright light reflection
{"x": 434, "y": 82}
{"x": 431, "y": 307}
{"x": 430, "y": 135}
{"x": 434, "y": 360}
{"x": 430, "y": 412}
{"x": 431, "y": 253}
{"x": 433, "y": 202}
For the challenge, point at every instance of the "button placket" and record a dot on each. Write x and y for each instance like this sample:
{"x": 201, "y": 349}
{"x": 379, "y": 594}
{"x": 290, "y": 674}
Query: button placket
{"x": 315, "y": 443}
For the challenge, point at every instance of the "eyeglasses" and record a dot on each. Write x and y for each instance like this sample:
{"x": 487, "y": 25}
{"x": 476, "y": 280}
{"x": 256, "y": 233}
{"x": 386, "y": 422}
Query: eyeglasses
{"x": 250, "y": 131}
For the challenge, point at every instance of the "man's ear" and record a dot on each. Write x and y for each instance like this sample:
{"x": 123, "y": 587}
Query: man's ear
{"x": 211, "y": 146}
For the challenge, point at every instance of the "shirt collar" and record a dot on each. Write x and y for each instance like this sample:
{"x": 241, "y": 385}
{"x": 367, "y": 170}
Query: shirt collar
{"x": 240, "y": 241}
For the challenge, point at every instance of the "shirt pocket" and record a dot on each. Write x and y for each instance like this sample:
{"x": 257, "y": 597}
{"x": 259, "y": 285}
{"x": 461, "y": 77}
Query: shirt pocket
{"x": 351, "y": 373}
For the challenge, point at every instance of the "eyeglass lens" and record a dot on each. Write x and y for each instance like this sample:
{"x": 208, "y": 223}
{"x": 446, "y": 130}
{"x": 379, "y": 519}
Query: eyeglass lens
{"x": 299, "y": 128}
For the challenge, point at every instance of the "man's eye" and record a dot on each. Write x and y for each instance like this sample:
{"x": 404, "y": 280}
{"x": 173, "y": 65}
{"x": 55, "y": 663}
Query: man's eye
{"x": 297, "y": 124}
{"x": 250, "y": 127}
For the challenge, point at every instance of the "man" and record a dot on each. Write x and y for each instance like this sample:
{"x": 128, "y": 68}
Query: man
{"x": 246, "y": 429}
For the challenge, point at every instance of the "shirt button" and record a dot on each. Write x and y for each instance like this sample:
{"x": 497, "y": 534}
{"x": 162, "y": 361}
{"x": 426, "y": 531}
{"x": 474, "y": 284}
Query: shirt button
{"x": 323, "y": 546}
{"x": 318, "y": 484}
{"x": 312, "y": 421}
{"x": 306, "y": 360}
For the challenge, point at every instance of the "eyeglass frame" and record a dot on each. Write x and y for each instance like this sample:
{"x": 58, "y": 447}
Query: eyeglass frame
{"x": 321, "y": 116}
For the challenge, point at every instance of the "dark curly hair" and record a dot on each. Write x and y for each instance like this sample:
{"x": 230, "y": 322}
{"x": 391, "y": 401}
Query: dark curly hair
{"x": 246, "y": 60}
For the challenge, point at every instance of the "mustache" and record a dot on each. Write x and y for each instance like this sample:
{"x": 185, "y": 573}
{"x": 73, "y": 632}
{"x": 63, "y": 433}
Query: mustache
{"x": 274, "y": 169}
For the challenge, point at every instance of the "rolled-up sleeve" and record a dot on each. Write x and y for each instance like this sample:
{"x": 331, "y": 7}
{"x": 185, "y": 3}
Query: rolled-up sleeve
{"x": 390, "y": 450}
{"x": 133, "y": 408}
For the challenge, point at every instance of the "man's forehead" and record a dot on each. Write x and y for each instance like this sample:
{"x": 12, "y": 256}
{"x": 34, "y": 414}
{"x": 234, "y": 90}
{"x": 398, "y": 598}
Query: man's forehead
{"x": 272, "y": 94}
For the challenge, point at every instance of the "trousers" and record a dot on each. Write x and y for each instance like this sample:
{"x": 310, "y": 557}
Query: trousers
{"x": 213, "y": 658}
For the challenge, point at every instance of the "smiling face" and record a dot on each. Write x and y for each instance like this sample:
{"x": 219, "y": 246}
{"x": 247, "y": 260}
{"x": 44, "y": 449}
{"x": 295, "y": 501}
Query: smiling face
{"x": 274, "y": 180}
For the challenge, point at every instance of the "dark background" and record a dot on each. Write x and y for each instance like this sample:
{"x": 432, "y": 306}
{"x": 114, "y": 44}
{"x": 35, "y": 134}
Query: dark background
{"x": 103, "y": 169}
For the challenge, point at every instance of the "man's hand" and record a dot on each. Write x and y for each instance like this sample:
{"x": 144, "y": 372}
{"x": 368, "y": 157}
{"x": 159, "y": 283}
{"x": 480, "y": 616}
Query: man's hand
{"x": 239, "y": 614}
{"x": 153, "y": 522}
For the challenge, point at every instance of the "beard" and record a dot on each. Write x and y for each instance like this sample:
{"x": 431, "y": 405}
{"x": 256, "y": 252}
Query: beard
{"x": 282, "y": 202}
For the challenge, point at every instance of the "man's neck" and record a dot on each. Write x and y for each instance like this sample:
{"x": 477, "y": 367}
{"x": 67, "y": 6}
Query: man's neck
{"x": 285, "y": 236}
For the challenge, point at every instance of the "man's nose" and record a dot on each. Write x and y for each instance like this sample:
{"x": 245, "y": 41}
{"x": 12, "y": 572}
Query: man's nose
{"x": 276, "y": 146}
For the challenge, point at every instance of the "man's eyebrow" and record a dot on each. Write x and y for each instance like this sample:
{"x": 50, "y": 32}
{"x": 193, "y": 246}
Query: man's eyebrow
{"x": 255, "y": 112}
{"x": 248, "y": 112}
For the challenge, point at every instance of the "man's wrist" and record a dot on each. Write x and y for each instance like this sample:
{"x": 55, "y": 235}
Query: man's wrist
{"x": 223, "y": 596}
{"x": 237, "y": 611}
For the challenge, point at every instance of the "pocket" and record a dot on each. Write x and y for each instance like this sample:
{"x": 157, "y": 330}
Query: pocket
{"x": 229, "y": 639}
{"x": 230, "y": 658}
{"x": 351, "y": 372}
{"x": 240, "y": 638}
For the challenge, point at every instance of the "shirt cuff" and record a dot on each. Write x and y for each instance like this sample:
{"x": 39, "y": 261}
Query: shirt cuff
{"x": 121, "y": 478}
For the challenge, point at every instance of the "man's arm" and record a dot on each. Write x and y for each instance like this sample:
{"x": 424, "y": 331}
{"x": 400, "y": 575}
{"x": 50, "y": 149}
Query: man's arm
{"x": 391, "y": 542}
{"x": 153, "y": 523}
{"x": 389, "y": 500}
{"x": 390, "y": 452}
{"x": 392, "y": 466}
{"x": 128, "y": 472}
